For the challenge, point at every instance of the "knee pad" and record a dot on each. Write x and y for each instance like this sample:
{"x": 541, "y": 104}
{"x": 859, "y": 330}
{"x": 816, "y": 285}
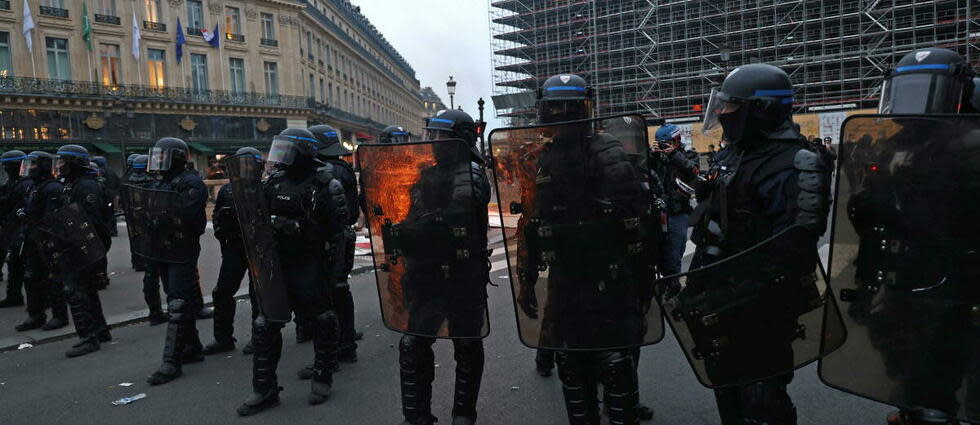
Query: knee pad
{"x": 177, "y": 309}
{"x": 412, "y": 346}
{"x": 327, "y": 318}
{"x": 766, "y": 402}
{"x": 262, "y": 326}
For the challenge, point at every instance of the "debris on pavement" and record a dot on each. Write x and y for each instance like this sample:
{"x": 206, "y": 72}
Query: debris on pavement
{"x": 25, "y": 346}
{"x": 125, "y": 384}
{"x": 127, "y": 400}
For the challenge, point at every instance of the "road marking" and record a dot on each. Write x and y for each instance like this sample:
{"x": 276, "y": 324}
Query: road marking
{"x": 498, "y": 265}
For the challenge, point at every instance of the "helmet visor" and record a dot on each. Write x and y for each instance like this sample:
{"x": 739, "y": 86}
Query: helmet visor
{"x": 564, "y": 110}
{"x": 921, "y": 94}
{"x": 717, "y": 107}
{"x": 160, "y": 159}
{"x": 437, "y": 134}
{"x": 27, "y": 165}
{"x": 283, "y": 151}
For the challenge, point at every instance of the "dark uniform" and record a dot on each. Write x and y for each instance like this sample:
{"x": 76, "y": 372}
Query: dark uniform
{"x": 308, "y": 210}
{"x": 234, "y": 266}
{"x": 82, "y": 187}
{"x": 181, "y": 280}
{"x": 767, "y": 181}
{"x": 43, "y": 290}
{"x": 10, "y": 229}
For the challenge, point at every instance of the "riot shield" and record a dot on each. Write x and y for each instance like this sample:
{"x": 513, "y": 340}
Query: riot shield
{"x": 751, "y": 316}
{"x": 904, "y": 263}
{"x": 427, "y": 233}
{"x": 245, "y": 173}
{"x": 68, "y": 241}
{"x": 154, "y": 225}
{"x": 582, "y": 232}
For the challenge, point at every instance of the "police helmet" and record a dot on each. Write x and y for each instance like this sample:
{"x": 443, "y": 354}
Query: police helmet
{"x": 451, "y": 124}
{"x": 130, "y": 159}
{"x": 329, "y": 138}
{"x": 293, "y": 144}
{"x": 394, "y": 134}
{"x": 248, "y": 150}
{"x": 169, "y": 153}
{"x": 71, "y": 158}
{"x": 927, "y": 81}
{"x": 11, "y": 161}
{"x": 100, "y": 161}
{"x": 36, "y": 164}
{"x": 565, "y": 97}
{"x": 755, "y": 100}
{"x": 140, "y": 162}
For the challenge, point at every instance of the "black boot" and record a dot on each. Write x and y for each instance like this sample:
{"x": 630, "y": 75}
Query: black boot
{"x": 224, "y": 323}
{"x": 544, "y": 362}
{"x": 157, "y": 318}
{"x": 267, "y": 340}
{"x": 218, "y": 347}
{"x": 32, "y": 322}
{"x": 303, "y": 331}
{"x": 417, "y": 367}
{"x": 617, "y": 372}
{"x": 151, "y": 295}
{"x": 86, "y": 346}
{"x": 580, "y": 403}
{"x": 469, "y": 373}
{"x": 305, "y": 374}
{"x": 81, "y": 311}
{"x": 248, "y": 349}
{"x": 324, "y": 356}
{"x": 173, "y": 349}
{"x": 344, "y": 302}
{"x": 56, "y": 322}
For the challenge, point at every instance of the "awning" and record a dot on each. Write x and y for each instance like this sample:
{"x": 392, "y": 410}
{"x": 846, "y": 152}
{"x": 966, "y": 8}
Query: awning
{"x": 107, "y": 148}
{"x": 200, "y": 147}
{"x": 363, "y": 136}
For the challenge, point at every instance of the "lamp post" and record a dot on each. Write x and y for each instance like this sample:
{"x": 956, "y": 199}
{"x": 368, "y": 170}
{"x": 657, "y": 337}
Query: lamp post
{"x": 483, "y": 143}
{"x": 725, "y": 52}
{"x": 451, "y": 88}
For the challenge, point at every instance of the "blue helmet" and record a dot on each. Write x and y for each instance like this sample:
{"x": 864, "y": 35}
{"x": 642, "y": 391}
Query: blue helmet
{"x": 668, "y": 132}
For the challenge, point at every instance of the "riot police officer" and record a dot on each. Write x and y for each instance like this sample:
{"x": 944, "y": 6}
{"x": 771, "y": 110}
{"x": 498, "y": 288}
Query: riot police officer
{"x": 768, "y": 182}
{"x": 181, "y": 281}
{"x": 466, "y": 296}
{"x": 81, "y": 187}
{"x": 139, "y": 177}
{"x": 234, "y": 266}
{"x": 330, "y": 153}
{"x": 307, "y": 211}
{"x": 43, "y": 291}
{"x": 10, "y": 229}
{"x": 394, "y": 134}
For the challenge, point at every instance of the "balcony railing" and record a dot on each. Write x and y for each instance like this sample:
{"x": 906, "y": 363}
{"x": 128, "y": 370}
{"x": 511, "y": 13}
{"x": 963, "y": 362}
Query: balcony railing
{"x": 154, "y": 26}
{"x": 4, "y": 4}
{"x": 195, "y": 31}
{"x": 235, "y": 37}
{"x": 269, "y": 42}
{"x": 53, "y": 11}
{"x": 321, "y": 108}
{"x": 107, "y": 19}
{"x": 26, "y": 86}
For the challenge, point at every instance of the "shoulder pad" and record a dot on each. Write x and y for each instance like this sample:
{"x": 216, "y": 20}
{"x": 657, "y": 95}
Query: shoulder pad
{"x": 323, "y": 177}
{"x": 335, "y": 187}
{"x": 807, "y": 160}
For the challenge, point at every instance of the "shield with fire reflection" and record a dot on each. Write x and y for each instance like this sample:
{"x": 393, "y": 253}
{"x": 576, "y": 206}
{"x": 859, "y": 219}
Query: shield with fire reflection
{"x": 425, "y": 232}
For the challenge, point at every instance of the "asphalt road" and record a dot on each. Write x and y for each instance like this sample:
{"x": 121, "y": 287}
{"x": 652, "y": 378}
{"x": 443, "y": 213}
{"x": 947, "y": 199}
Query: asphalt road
{"x": 38, "y": 385}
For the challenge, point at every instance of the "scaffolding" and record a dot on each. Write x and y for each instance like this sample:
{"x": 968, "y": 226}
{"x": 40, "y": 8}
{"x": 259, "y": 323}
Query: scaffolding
{"x": 660, "y": 58}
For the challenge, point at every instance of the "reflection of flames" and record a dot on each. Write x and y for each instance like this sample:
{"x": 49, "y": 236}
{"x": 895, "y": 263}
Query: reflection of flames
{"x": 389, "y": 186}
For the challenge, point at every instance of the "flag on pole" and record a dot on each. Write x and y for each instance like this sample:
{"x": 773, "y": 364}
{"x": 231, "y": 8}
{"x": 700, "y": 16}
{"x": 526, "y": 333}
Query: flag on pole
{"x": 136, "y": 37}
{"x": 28, "y": 27}
{"x": 213, "y": 37}
{"x": 86, "y": 28}
{"x": 181, "y": 40}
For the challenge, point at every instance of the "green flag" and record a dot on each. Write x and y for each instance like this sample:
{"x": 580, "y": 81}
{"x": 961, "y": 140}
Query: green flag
{"x": 86, "y": 28}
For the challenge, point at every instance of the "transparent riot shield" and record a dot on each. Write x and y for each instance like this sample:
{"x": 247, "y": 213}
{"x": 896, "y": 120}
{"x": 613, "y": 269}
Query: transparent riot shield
{"x": 904, "y": 263}
{"x": 582, "y": 231}
{"x": 245, "y": 174}
{"x": 68, "y": 241}
{"x": 155, "y": 228}
{"x": 428, "y": 237}
{"x": 751, "y": 316}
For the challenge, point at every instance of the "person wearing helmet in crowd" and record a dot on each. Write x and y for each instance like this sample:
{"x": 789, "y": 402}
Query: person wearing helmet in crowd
{"x": 43, "y": 292}
{"x": 234, "y": 265}
{"x": 11, "y": 194}
{"x": 394, "y": 134}
{"x": 308, "y": 213}
{"x": 73, "y": 168}
{"x": 677, "y": 172}
{"x": 139, "y": 177}
{"x": 168, "y": 159}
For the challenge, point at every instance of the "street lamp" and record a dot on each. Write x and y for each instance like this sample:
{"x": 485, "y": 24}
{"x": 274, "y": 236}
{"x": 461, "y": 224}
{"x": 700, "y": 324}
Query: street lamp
{"x": 451, "y": 87}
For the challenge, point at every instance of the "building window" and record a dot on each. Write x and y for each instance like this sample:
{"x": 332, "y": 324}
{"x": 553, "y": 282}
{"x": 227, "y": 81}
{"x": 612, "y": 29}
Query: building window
{"x": 6, "y": 64}
{"x": 268, "y": 27}
{"x": 156, "y": 60}
{"x": 195, "y": 17}
{"x": 60, "y": 4}
{"x": 199, "y": 72}
{"x": 153, "y": 11}
{"x": 237, "y": 72}
{"x": 59, "y": 68}
{"x": 233, "y": 21}
{"x": 309, "y": 45}
{"x": 323, "y": 91}
{"x": 106, "y": 7}
{"x": 272, "y": 78}
{"x": 312, "y": 87}
{"x": 109, "y": 60}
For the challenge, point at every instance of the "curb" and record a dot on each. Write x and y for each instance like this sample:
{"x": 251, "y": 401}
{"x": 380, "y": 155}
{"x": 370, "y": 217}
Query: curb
{"x": 119, "y": 321}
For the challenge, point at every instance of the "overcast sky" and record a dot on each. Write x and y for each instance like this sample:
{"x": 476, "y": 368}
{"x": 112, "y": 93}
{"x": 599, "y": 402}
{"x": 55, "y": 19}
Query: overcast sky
{"x": 440, "y": 38}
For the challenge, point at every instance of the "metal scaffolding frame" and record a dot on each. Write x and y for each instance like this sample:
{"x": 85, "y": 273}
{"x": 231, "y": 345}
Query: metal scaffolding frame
{"x": 660, "y": 58}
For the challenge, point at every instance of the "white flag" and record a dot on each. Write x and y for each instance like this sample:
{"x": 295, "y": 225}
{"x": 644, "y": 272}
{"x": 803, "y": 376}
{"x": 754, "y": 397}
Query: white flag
{"x": 28, "y": 27}
{"x": 136, "y": 37}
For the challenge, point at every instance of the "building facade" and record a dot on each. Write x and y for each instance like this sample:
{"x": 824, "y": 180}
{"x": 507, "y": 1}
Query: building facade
{"x": 660, "y": 58}
{"x": 431, "y": 102}
{"x": 278, "y": 63}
